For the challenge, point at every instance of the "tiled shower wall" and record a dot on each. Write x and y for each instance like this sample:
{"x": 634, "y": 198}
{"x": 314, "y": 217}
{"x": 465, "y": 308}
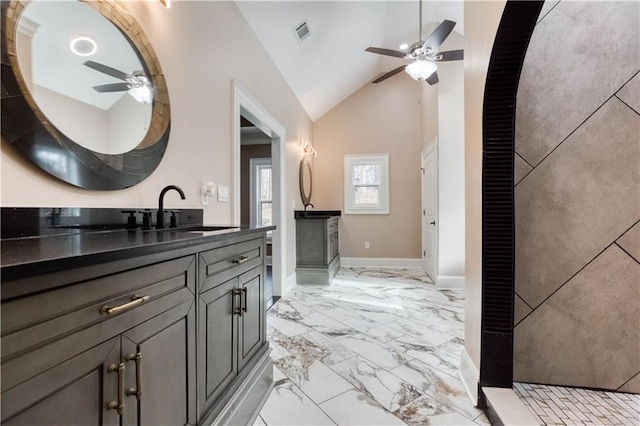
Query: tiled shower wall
{"x": 577, "y": 198}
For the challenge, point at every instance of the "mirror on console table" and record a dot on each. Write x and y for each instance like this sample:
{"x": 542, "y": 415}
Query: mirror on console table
{"x": 83, "y": 94}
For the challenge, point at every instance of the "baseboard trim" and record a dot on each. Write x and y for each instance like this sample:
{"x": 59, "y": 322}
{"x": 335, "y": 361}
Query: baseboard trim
{"x": 450, "y": 282}
{"x": 380, "y": 262}
{"x": 470, "y": 377}
{"x": 289, "y": 284}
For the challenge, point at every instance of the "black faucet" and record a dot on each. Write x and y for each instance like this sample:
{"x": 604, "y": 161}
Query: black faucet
{"x": 160, "y": 214}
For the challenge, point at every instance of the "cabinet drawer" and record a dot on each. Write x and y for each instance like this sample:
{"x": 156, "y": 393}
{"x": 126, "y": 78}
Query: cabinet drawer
{"x": 222, "y": 264}
{"x": 34, "y": 319}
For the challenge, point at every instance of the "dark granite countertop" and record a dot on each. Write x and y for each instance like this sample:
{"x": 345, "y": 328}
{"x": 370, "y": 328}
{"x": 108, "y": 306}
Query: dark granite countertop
{"x": 316, "y": 214}
{"x": 29, "y": 256}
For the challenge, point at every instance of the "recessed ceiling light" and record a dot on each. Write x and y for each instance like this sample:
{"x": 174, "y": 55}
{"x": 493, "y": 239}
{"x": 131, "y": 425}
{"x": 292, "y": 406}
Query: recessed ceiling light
{"x": 403, "y": 46}
{"x": 83, "y": 45}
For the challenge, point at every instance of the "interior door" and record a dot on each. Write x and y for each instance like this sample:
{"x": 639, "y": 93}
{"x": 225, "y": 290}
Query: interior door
{"x": 430, "y": 213}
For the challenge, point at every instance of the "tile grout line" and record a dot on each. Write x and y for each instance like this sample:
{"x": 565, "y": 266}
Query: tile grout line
{"x": 583, "y": 122}
{"x": 626, "y": 252}
{"x": 629, "y": 106}
{"x": 548, "y": 12}
{"x": 632, "y": 377}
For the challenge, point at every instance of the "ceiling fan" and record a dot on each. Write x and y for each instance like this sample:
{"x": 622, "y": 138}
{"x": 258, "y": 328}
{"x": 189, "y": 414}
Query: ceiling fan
{"x": 137, "y": 83}
{"x": 424, "y": 54}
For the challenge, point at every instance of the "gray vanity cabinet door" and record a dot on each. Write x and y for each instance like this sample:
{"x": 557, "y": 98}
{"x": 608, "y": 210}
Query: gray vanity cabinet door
{"x": 74, "y": 392}
{"x": 217, "y": 354}
{"x": 252, "y": 329}
{"x": 159, "y": 355}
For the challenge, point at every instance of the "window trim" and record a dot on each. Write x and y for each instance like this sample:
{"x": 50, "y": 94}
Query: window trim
{"x": 254, "y": 165}
{"x": 351, "y": 160}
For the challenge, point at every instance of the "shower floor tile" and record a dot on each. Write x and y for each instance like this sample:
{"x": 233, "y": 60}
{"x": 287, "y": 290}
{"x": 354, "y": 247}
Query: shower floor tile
{"x": 558, "y": 405}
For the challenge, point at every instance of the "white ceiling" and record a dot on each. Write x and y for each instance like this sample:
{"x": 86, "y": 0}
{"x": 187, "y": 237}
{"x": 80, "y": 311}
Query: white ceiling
{"x": 331, "y": 64}
{"x": 57, "y": 68}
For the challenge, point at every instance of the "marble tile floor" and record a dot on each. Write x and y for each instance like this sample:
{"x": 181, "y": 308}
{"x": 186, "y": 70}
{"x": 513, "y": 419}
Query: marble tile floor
{"x": 558, "y": 405}
{"x": 376, "y": 347}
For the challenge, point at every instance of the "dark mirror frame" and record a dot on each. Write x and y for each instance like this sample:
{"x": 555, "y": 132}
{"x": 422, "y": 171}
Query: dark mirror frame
{"x": 27, "y": 129}
{"x": 306, "y": 198}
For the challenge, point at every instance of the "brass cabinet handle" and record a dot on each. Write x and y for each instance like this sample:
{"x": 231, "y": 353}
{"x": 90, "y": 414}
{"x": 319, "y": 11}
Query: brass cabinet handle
{"x": 244, "y": 294}
{"x": 137, "y": 392}
{"x": 135, "y": 301}
{"x": 240, "y": 260}
{"x": 237, "y": 310}
{"x": 113, "y": 405}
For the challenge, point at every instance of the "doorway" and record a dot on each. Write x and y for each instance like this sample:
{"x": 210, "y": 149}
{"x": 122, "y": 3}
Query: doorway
{"x": 266, "y": 127}
{"x": 430, "y": 210}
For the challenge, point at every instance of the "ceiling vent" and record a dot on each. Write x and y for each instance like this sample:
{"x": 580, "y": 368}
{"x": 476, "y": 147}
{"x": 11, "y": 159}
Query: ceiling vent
{"x": 302, "y": 31}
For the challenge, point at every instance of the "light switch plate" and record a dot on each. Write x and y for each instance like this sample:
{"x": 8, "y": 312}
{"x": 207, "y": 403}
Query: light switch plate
{"x": 223, "y": 193}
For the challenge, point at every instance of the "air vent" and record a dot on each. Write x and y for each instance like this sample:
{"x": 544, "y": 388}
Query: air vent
{"x": 302, "y": 31}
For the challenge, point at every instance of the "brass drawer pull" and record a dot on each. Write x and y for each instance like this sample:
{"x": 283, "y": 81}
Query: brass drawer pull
{"x": 237, "y": 310}
{"x": 240, "y": 260}
{"x": 113, "y": 405}
{"x": 135, "y": 301}
{"x": 137, "y": 392}
{"x": 244, "y": 294}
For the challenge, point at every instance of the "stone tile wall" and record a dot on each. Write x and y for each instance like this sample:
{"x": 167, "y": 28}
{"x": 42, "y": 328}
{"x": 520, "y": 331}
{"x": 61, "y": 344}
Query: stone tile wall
{"x": 577, "y": 198}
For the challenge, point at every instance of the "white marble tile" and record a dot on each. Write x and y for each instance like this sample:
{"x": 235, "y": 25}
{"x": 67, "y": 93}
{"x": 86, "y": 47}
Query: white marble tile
{"x": 356, "y": 408}
{"x": 374, "y": 351}
{"x": 286, "y": 326}
{"x": 385, "y": 388}
{"x": 427, "y": 411}
{"x": 372, "y": 328}
{"x": 314, "y": 378}
{"x": 422, "y": 331}
{"x": 288, "y": 405}
{"x": 326, "y": 350}
{"x": 446, "y": 389}
{"x": 443, "y": 360}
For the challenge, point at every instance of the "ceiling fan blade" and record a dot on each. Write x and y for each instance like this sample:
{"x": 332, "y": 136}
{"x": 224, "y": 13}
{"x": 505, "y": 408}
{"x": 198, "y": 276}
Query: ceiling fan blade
{"x": 451, "y": 55}
{"x": 387, "y": 52}
{"x": 107, "y": 70}
{"x": 439, "y": 35}
{"x": 391, "y": 73}
{"x": 115, "y": 87}
{"x": 433, "y": 78}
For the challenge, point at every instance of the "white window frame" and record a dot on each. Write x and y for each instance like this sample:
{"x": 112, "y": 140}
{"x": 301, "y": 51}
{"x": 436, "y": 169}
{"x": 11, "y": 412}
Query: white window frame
{"x": 254, "y": 165}
{"x": 352, "y": 160}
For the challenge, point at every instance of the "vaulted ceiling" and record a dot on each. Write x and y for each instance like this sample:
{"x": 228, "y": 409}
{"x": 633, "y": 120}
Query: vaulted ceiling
{"x": 331, "y": 63}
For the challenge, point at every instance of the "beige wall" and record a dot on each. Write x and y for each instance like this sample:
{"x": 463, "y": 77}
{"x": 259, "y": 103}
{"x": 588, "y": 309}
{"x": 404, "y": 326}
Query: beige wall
{"x": 202, "y": 47}
{"x": 481, "y": 24}
{"x": 428, "y": 114}
{"x": 378, "y": 118}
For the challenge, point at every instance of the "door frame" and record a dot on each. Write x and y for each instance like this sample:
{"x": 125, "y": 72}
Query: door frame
{"x": 245, "y": 104}
{"x": 430, "y": 149}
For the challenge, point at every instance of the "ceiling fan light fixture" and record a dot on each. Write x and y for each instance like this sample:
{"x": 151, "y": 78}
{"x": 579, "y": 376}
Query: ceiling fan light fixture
{"x": 141, "y": 93}
{"x": 421, "y": 69}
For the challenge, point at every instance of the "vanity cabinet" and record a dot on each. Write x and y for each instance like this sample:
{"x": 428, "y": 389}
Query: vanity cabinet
{"x": 171, "y": 338}
{"x": 231, "y": 307}
{"x": 102, "y": 351}
{"x": 317, "y": 246}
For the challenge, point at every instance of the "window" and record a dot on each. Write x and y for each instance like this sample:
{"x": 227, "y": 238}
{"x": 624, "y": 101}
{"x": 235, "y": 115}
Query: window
{"x": 366, "y": 184}
{"x": 261, "y": 192}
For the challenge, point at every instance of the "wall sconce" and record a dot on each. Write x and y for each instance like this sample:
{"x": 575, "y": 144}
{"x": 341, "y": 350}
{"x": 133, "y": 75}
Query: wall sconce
{"x": 309, "y": 150}
{"x": 166, "y": 3}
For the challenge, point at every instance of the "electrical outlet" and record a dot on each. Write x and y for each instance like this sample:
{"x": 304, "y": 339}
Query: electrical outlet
{"x": 367, "y": 245}
{"x": 223, "y": 193}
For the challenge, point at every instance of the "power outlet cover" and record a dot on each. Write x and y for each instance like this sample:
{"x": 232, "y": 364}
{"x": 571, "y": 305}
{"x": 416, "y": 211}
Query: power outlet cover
{"x": 223, "y": 193}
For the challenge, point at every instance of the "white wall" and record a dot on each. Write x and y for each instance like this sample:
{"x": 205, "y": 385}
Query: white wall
{"x": 202, "y": 46}
{"x": 451, "y": 217}
{"x": 481, "y": 24}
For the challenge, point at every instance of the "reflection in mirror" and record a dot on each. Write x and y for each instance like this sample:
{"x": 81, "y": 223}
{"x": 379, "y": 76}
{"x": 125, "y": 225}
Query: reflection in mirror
{"x": 83, "y": 94}
{"x": 306, "y": 181}
{"x": 57, "y": 44}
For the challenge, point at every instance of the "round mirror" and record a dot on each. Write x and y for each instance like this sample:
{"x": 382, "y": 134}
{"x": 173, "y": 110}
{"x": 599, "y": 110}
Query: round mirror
{"x": 87, "y": 101}
{"x": 306, "y": 181}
